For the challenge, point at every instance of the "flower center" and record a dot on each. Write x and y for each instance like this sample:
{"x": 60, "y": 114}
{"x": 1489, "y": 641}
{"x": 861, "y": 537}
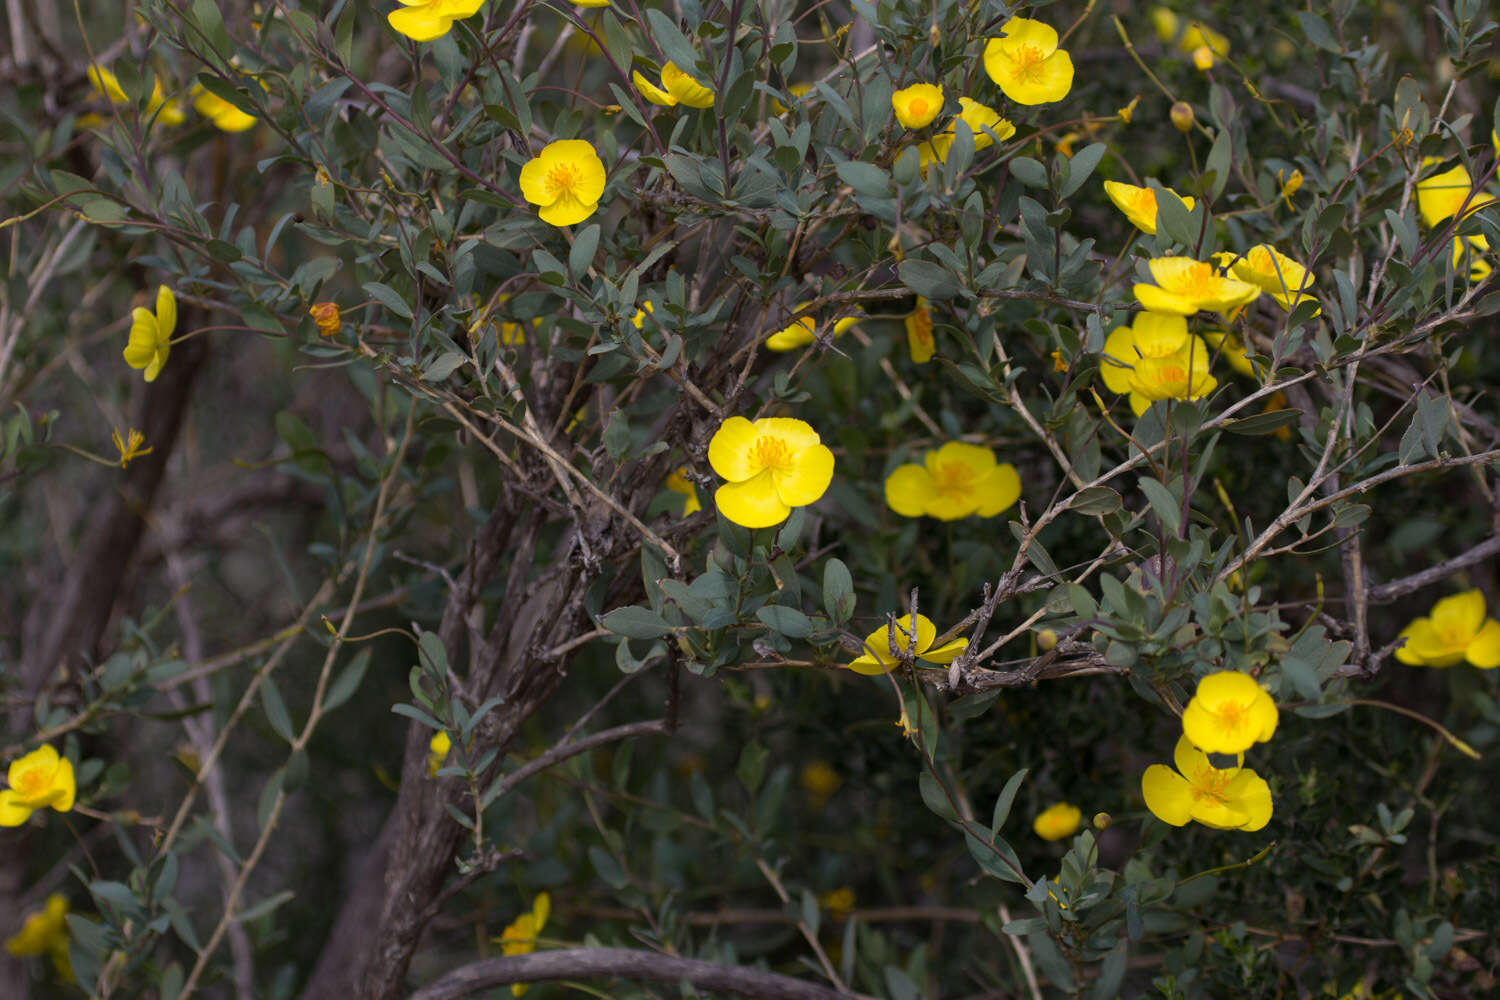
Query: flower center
{"x": 32, "y": 782}
{"x": 1027, "y": 62}
{"x": 562, "y": 178}
{"x": 1144, "y": 202}
{"x": 1209, "y": 783}
{"x": 771, "y": 453}
{"x": 917, "y": 108}
{"x": 953, "y": 479}
{"x": 1198, "y": 281}
{"x": 1232, "y": 715}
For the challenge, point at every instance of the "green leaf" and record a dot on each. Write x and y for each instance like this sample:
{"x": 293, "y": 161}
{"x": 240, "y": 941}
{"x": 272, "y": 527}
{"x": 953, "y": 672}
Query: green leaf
{"x": 387, "y": 297}
{"x": 838, "y": 591}
{"x": 1166, "y": 506}
{"x": 346, "y": 683}
{"x": 1028, "y": 171}
{"x": 865, "y": 178}
{"x": 1095, "y": 500}
{"x": 265, "y": 906}
{"x": 928, "y": 279}
{"x": 1006, "y": 798}
{"x": 935, "y": 798}
{"x": 788, "y": 621}
{"x": 1264, "y": 423}
{"x": 752, "y": 766}
{"x": 1080, "y": 167}
{"x": 581, "y": 255}
{"x": 276, "y": 712}
{"x": 608, "y": 868}
{"x": 636, "y": 623}
{"x": 674, "y": 44}
{"x": 1317, "y": 31}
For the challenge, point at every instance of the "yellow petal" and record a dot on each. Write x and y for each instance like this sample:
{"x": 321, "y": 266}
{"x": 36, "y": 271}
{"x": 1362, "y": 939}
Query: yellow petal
{"x": 1405, "y": 654}
{"x": 1020, "y": 31}
{"x": 1484, "y": 649}
{"x": 166, "y": 313}
{"x": 753, "y": 503}
{"x": 729, "y": 450}
{"x": 1159, "y": 300}
{"x": 1168, "y": 795}
{"x": 1158, "y": 335}
{"x": 947, "y": 652}
{"x": 917, "y": 105}
{"x": 1249, "y": 794}
{"x": 1461, "y": 614}
{"x": 868, "y": 665}
{"x": 419, "y": 23}
{"x": 12, "y": 812}
{"x": 62, "y": 782}
{"x": 998, "y": 490}
{"x": 1118, "y": 359}
{"x": 651, "y": 91}
{"x": 808, "y": 478}
{"x": 567, "y": 210}
{"x": 980, "y": 461}
{"x": 685, "y": 89}
{"x": 908, "y": 490}
{"x": 1229, "y": 713}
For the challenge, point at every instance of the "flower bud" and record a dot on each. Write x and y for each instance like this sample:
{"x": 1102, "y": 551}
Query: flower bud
{"x": 1101, "y": 821}
{"x": 1182, "y": 116}
{"x": 1203, "y": 57}
{"x": 1046, "y": 639}
{"x": 326, "y": 316}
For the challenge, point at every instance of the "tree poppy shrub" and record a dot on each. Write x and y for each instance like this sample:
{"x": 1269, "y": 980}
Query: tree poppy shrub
{"x": 403, "y": 649}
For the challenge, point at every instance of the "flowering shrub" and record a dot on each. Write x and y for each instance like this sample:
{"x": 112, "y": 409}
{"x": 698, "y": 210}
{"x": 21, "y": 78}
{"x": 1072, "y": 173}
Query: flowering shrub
{"x": 748, "y": 495}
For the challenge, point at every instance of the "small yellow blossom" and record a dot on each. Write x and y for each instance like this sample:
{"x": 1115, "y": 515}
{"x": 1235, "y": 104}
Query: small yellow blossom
{"x": 918, "y": 104}
{"x": 639, "y": 319}
{"x": 326, "y": 318}
{"x": 676, "y": 87}
{"x": 677, "y": 482}
{"x": 129, "y": 446}
{"x": 1229, "y": 713}
{"x": 225, "y": 116}
{"x": 956, "y": 481}
{"x": 1138, "y": 204}
{"x": 1059, "y": 363}
{"x": 424, "y": 20}
{"x": 437, "y": 751}
{"x": 804, "y": 331}
{"x": 45, "y": 932}
{"x": 591, "y": 3}
{"x": 878, "y": 658}
{"x": 1027, "y": 64}
{"x": 795, "y": 90}
{"x": 1455, "y": 631}
{"x": 772, "y": 465}
{"x": 1290, "y": 183}
{"x": 1285, "y": 280}
{"x": 1057, "y": 821}
{"x": 820, "y": 781}
{"x": 521, "y": 936}
{"x": 37, "y": 780}
{"x": 566, "y": 181}
{"x": 1440, "y": 196}
{"x": 1200, "y": 36}
{"x": 151, "y": 334}
{"x": 1230, "y": 798}
{"x": 1128, "y": 111}
{"x": 1156, "y": 358}
{"x": 985, "y": 124}
{"x": 1184, "y": 286}
{"x": 168, "y": 112}
{"x": 919, "y": 338}
{"x": 838, "y": 902}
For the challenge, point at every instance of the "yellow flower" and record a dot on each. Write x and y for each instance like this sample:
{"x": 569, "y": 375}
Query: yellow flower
{"x": 1233, "y": 350}
{"x": 804, "y": 331}
{"x": 1156, "y": 358}
{"x": 1128, "y": 111}
{"x": 820, "y": 781}
{"x": 1455, "y": 631}
{"x": 1203, "y": 58}
{"x": 984, "y": 123}
{"x": 1138, "y": 204}
{"x": 1230, "y": 798}
{"x": 953, "y": 482}
{"x": 566, "y": 181}
{"x": 168, "y": 112}
{"x": 520, "y": 937}
{"x": 1285, "y": 280}
{"x": 773, "y": 465}
{"x": 1479, "y": 268}
{"x": 151, "y": 334}
{"x": 1200, "y": 36}
{"x": 1057, "y": 821}
{"x": 129, "y": 446}
{"x": 1229, "y": 713}
{"x": 45, "y": 932}
{"x": 878, "y": 658}
{"x": 225, "y": 116}
{"x": 918, "y": 104}
{"x": 795, "y": 90}
{"x": 919, "y": 333}
{"x": 1164, "y": 20}
{"x": 838, "y": 902}
{"x": 676, "y": 87}
{"x": 437, "y": 751}
{"x": 1184, "y": 286}
{"x": 424, "y": 20}
{"x": 1027, "y": 64}
{"x": 326, "y": 318}
{"x": 1290, "y": 183}
{"x": 1440, "y": 196}
{"x": 679, "y": 483}
{"x": 591, "y": 3}
{"x": 639, "y": 319}
{"x": 37, "y": 780}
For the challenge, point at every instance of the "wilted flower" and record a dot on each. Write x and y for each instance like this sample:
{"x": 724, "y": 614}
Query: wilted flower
{"x": 1184, "y": 286}
{"x": 1230, "y": 798}
{"x": 1456, "y": 630}
{"x": 1229, "y": 713}
{"x": 520, "y": 937}
{"x": 676, "y": 87}
{"x": 1057, "y": 821}
{"x": 918, "y": 104}
{"x": 424, "y": 20}
{"x": 953, "y": 482}
{"x": 1027, "y": 64}
{"x": 151, "y": 334}
{"x": 326, "y": 318}
{"x": 566, "y": 181}
{"x": 37, "y": 780}
{"x": 1138, "y": 204}
{"x": 878, "y": 658}
{"x": 1156, "y": 358}
{"x": 129, "y": 446}
{"x": 773, "y": 465}
{"x": 919, "y": 333}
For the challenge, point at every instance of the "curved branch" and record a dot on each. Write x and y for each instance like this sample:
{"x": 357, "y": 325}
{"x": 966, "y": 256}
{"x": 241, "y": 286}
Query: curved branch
{"x": 623, "y": 963}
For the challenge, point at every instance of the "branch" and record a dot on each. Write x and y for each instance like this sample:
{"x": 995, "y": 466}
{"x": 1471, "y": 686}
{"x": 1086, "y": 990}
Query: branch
{"x": 1396, "y": 589}
{"x": 623, "y": 963}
